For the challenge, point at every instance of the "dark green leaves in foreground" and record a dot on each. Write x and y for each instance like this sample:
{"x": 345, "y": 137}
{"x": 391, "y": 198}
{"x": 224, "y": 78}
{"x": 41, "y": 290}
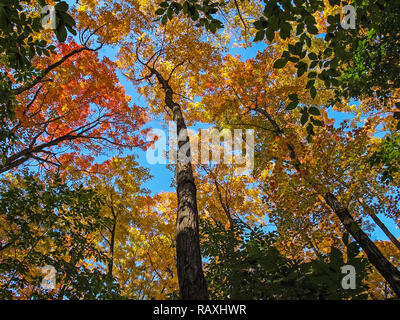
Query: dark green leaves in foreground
{"x": 197, "y": 11}
{"x": 50, "y": 224}
{"x": 18, "y": 26}
{"x": 245, "y": 264}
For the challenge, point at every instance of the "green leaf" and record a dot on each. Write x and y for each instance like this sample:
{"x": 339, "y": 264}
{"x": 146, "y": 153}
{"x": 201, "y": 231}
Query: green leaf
{"x": 270, "y": 34}
{"x": 258, "y": 25}
{"x": 304, "y": 118}
{"x": 170, "y": 13}
{"x": 310, "y": 83}
{"x": 61, "y": 6}
{"x": 70, "y": 29}
{"x": 301, "y": 70}
{"x": 299, "y": 29}
{"x": 185, "y": 7}
{"x": 292, "y": 105}
{"x": 352, "y": 250}
{"x": 312, "y": 74}
{"x": 313, "y": 92}
{"x": 285, "y": 30}
{"x": 67, "y": 19}
{"x": 316, "y": 122}
{"x": 259, "y": 36}
{"x": 345, "y": 238}
{"x": 310, "y": 129}
{"x": 164, "y": 4}
{"x": 312, "y": 29}
{"x": 314, "y": 111}
{"x": 160, "y": 11}
{"x": 336, "y": 257}
{"x": 313, "y": 64}
{"x": 61, "y": 33}
{"x": 280, "y": 63}
{"x": 313, "y": 56}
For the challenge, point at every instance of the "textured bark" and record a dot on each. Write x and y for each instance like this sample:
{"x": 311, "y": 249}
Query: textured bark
{"x": 377, "y": 259}
{"x": 112, "y": 244}
{"x": 375, "y": 256}
{"x": 112, "y": 239}
{"x": 191, "y": 279}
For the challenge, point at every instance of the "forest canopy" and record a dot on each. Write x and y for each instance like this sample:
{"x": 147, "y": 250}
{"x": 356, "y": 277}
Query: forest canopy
{"x": 199, "y": 149}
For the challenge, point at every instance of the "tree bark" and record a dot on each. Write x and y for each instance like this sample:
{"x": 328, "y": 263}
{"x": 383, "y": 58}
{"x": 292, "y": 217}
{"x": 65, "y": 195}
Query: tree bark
{"x": 375, "y": 256}
{"x": 114, "y": 214}
{"x": 385, "y": 230}
{"x": 112, "y": 244}
{"x": 191, "y": 279}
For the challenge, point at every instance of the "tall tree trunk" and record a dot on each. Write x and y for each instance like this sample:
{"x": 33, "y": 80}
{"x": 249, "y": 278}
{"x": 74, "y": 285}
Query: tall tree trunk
{"x": 112, "y": 239}
{"x": 375, "y": 256}
{"x": 192, "y": 283}
{"x": 112, "y": 244}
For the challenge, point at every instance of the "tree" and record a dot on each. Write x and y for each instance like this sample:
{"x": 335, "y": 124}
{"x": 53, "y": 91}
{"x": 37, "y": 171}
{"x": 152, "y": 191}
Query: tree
{"x": 21, "y": 22}
{"x": 317, "y": 183}
{"x": 388, "y": 158}
{"x": 57, "y": 228}
{"x": 357, "y": 61}
{"x": 76, "y": 104}
{"x": 147, "y": 59}
{"x": 21, "y": 40}
{"x": 378, "y": 286}
{"x": 240, "y": 87}
{"x": 140, "y": 239}
{"x": 190, "y": 273}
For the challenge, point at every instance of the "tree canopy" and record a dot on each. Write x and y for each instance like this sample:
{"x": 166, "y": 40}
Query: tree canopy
{"x": 315, "y": 87}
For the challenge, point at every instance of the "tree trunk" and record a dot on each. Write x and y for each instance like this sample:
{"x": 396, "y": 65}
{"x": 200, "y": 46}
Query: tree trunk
{"x": 112, "y": 239}
{"x": 112, "y": 244}
{"x": 192, "y": 283}
{"x": 377, "y": 259}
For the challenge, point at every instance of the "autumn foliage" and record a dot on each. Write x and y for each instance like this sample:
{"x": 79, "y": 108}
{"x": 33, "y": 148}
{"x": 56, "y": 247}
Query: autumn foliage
{"x": 74, "y": 134}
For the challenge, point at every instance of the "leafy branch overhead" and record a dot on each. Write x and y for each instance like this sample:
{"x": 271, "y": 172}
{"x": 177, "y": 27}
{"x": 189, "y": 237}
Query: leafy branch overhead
{"x": 354, "y": 62}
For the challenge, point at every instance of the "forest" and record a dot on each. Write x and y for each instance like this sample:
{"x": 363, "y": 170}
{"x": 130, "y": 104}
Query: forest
{"x": 199, "y": 150}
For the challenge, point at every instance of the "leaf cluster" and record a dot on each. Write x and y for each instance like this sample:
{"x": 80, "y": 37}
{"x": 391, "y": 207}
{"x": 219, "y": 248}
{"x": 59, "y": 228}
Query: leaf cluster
{"x": 243, "y": 263}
